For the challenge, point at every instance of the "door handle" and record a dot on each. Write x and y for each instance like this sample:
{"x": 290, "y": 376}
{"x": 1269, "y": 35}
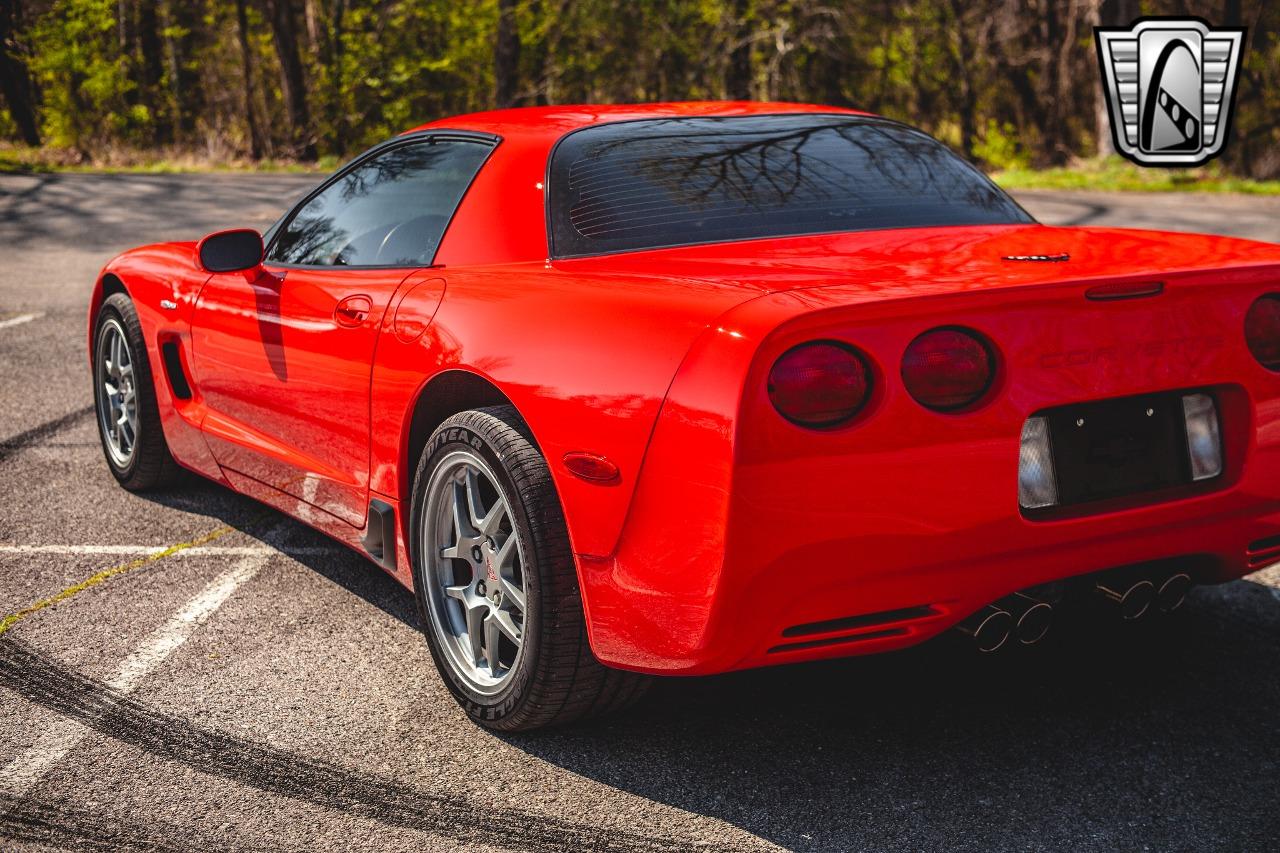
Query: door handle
{"x": 353, "y": 310}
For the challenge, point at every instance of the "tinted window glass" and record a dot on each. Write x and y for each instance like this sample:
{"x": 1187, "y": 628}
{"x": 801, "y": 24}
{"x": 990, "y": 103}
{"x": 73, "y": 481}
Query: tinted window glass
{"x": 673, "y": 182}
{"x": 390, "y": 210}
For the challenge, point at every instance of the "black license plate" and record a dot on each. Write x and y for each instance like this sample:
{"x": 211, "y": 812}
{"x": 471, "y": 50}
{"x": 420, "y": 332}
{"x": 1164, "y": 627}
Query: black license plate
{"x": 1119, "y": 447}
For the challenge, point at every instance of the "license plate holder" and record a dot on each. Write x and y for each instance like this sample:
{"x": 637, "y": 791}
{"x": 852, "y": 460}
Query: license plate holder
{"x": 1119, "y": 447}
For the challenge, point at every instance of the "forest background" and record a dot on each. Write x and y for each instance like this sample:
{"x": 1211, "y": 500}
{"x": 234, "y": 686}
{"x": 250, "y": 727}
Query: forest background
{"x": 195, "y": 84}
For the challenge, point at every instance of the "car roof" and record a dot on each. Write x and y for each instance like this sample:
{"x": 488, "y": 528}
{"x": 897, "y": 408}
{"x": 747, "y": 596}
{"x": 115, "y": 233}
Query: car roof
{"x": 552, "y": 122}
{"x": 509, "y": 188}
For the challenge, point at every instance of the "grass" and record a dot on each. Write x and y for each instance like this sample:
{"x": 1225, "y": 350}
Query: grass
{"x": 26, "y": 160}
{"x": 1118, "y": 174}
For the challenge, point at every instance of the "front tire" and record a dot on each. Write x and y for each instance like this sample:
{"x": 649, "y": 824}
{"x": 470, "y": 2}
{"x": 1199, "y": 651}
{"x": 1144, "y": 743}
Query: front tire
{"x": 496, "y": 583}
{"x": 124, "y": 398}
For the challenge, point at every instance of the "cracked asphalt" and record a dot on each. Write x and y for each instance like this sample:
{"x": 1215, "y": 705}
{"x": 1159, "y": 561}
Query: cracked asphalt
{"x": 234, "y": 681}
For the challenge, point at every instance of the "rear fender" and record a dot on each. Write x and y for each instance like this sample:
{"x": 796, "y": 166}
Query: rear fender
{"x": 650, "y": 604}
{"x": 585, "y": 358}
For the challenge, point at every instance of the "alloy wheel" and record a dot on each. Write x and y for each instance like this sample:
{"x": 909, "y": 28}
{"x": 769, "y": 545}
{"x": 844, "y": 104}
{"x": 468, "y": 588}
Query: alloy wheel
{"x": 475, "y": 572}
{"x": 117, "y": 393}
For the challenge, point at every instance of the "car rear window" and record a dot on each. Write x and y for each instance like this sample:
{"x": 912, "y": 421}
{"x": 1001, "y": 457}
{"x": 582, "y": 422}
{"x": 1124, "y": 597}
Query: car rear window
{"x": 658, "y": 183}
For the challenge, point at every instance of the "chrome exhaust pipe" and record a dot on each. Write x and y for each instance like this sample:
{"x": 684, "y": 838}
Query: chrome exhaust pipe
{"x": 1032, "y": 617}
{"x": 989, "y": 627}
{"x": 1173, "y": 592}
{"x": 1132, "y": 599}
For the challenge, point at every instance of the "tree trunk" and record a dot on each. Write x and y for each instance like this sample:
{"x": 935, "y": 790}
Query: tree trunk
{"x": 15, "y": 79}
{"x": 280, "y": 14}
{"x": 1232, "y": 13}
{"x": 188, "y": 16}
{"x": 506, "y": 57}
{"x": 1057, "y": 34}
{"x": 1016, "y": 71}
{"x": 738, "y": 80}
{"x": 166, "y": 33}
{"x": 1107, "y": 13}
{"x": 337, "y": 75}
{"x": 1239, "y": 152}
{"x": 962, "y": 62}
{"x": 158, "y": 104}
{"x": 246, "y": 64}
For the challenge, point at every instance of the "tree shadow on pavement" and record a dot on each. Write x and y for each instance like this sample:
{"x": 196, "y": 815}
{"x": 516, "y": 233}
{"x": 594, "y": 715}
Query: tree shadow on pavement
{"x": 1106, "y": 736}
{"x": 43, "y": 681}
{"x": 324, "y": 556}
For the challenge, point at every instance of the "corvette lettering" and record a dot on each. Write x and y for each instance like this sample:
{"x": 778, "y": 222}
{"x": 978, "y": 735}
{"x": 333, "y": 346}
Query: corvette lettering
{"x": 1189, "y": 352}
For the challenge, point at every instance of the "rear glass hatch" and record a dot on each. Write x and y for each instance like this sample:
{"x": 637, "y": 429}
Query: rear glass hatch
{"x": 661, "y": 183}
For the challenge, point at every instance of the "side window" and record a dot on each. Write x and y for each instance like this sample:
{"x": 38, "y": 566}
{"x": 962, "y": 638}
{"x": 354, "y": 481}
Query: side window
{"x": 390, "y": 210}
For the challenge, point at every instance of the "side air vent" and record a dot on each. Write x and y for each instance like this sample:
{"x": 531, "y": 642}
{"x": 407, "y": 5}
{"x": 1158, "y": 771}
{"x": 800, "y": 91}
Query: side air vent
{"x": 173, "y": 370}
{"x": 866, "y": 620}
{"x": 886, "y": 621}
{"x": 837, "y": 641}
{"x": 1263, "y": 553}
{"x": 380, "y": 534}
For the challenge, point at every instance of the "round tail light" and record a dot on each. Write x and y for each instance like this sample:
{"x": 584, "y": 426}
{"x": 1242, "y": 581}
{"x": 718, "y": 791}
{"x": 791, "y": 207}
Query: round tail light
{"x": 819, "y": 384}
{"x": 948, "y": 369}
{"x": 1262, "y": 331}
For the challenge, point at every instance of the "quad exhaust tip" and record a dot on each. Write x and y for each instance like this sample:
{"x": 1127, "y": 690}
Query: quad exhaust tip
{"x": 1136, "y": 597}
{"x": 1029, "y": 619}
{"x": 1033, "y": 617}
{"x": 990, "y": 627}
{"x": 1133, "y": 600}
{"x": 1173, "y": 592}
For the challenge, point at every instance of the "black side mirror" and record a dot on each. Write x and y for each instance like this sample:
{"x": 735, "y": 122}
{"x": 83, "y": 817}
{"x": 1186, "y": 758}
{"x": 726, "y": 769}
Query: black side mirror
{"x": 231, "y": 251}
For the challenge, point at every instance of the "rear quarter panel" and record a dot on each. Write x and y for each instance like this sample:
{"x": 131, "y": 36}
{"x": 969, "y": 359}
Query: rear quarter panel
{"x": 586, "y": 357}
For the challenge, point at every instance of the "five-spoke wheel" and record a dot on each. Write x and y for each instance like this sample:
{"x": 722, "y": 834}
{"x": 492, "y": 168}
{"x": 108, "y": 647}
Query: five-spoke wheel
{"x": 117, "y": 394}
{"x": 496, "y": 581}
{"x": 476, "y": 583}
{"x": 124, "y": 394}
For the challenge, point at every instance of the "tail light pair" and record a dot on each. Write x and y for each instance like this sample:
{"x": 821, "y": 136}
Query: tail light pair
{"x": 826, "y": 383}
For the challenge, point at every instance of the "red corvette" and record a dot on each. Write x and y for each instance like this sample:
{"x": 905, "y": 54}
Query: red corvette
{"x": 681, "y": 389}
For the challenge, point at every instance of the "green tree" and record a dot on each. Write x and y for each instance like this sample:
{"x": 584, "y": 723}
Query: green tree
{"x": 1001, "y": 80}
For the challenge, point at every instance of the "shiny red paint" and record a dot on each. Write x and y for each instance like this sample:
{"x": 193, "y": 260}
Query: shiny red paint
{"x": 727, "y": 524}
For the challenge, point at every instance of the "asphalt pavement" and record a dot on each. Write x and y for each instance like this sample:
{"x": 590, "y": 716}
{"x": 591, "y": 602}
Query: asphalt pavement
{"x": 195, "y": 672}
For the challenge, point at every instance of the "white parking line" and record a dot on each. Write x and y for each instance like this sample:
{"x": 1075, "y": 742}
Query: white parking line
{"x": 195, "y": 551}
{"x": 24, "y": 771}
{"x": 19, "y": 320}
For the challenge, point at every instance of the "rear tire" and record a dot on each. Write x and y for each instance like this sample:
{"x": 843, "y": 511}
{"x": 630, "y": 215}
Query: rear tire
{"x": 491, "y": 560}
{"x": 124, "y": 398}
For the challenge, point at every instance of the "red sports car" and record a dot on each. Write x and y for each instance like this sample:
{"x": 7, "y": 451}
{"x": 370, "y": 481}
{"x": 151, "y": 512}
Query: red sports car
{"x": 688, "y": 388}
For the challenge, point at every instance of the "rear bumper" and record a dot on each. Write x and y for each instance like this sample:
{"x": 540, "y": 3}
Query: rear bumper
{"x": 874, "y": 584}
{"x": 938, "y": 578}
{"x": 745, "y": 527}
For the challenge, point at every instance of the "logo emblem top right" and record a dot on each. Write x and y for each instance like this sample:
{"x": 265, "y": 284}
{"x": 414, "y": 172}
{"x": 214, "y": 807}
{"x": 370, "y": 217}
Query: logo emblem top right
{"x": 1170, "y": 85}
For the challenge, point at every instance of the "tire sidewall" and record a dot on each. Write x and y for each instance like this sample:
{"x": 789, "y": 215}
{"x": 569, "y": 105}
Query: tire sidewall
{"x": 484, "y": 708}
{"x": 112, "y": 311}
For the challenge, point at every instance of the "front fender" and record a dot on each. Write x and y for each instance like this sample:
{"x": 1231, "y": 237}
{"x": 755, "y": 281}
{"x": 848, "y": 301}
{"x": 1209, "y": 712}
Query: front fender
{"x": 150, "y": 275}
